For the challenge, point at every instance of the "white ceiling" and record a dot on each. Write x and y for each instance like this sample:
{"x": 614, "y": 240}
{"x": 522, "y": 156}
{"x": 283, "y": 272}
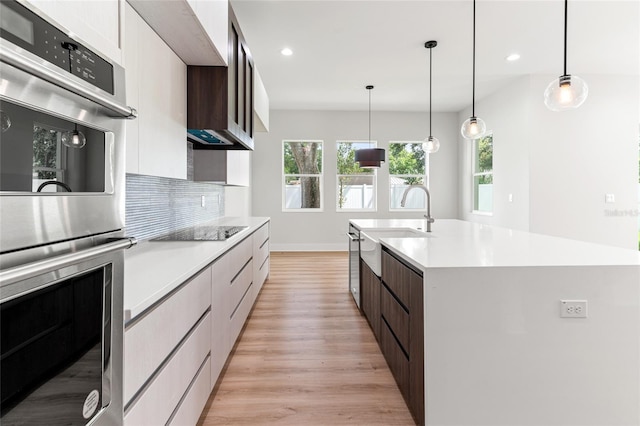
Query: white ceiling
{"x": 341, "y": 46}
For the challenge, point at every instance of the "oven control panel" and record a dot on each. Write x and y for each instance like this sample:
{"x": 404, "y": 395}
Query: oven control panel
{"x": 26, "y": 29}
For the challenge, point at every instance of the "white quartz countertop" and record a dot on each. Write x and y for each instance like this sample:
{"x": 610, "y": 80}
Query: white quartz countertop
{"x": 456, "y": 243}
{"x": 152, "y": 269}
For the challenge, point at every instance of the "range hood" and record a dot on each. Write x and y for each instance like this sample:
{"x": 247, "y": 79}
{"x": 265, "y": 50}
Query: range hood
{"x": 212, "y": 139}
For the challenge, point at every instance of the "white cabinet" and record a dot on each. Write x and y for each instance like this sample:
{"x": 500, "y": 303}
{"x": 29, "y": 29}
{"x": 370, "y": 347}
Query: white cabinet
{"x": 232, "y": 299}
{"x": 164, "y": 352}
{"x": 156, "y": 83}
{"x": 260, "y": 257}
{"x": 197, "y": 30}
{"x": 227, "y": 167}
{"x": 95, "y": 22}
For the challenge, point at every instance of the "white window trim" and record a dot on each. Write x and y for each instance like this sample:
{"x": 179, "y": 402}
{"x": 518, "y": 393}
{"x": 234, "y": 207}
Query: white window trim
{"x": 285, "y": 176}
{"x": 474, "y": 175}
{"x": 372, "y": 144}
{"x": 427, "y": 159}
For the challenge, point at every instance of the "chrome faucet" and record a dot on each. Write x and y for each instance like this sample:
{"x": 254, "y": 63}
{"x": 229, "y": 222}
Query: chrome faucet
{"x": 430, "y": 220}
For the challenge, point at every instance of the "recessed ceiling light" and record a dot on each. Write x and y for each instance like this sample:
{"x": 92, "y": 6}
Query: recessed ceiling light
{"x": 513, "y": 57}
{"x": 286, "y": 51}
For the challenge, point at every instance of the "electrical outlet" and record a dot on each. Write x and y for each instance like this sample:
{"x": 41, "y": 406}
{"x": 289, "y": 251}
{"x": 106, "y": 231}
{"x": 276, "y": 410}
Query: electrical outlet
{"x": 610, "y": 198}
{"x": 573, "y": 308}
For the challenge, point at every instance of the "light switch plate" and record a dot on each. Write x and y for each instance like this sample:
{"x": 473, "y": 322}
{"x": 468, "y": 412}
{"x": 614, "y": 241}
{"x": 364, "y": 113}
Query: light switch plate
{"x": 610, "y": 198}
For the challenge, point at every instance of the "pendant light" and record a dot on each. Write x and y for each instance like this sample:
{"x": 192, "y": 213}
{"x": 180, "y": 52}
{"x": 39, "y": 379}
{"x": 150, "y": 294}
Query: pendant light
{"x": 74, "y": 138}
{"x": 567, "y": 91}
{"x": 370, "y": 158}
{"x": 473, "y": 127}
{"x": 431, "y": 145}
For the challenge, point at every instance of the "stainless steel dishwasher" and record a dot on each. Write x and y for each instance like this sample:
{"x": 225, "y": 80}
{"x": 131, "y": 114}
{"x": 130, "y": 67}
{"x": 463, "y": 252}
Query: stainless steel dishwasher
{"x": 354, "y": 263}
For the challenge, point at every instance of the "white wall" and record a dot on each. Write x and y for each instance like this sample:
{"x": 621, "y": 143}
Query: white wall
{"x": 595, "y": 152}
{"x": 326, "y": 230}
{"x": 504, "y": 356}
{"x": 559, "y": 166}
{"x": 506, "y": 113}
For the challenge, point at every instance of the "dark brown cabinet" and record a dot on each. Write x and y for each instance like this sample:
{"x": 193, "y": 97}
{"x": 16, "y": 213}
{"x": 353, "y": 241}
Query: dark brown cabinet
{"x": 370, "y": 297}
{"x": 220, "y": 99}
{"x": 402, "y": 329}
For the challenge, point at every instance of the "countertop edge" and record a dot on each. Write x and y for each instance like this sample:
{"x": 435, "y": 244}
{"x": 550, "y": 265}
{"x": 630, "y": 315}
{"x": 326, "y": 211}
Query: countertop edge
{"x": 166, "y": 257}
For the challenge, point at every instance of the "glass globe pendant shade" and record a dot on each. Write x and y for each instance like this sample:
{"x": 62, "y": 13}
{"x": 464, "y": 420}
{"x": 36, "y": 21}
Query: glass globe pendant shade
{"x": 74, "y": 139}
{"x": 473, "y": 128}
{"x": 431, "y": 145}
{"x": 565, "y": 92}
{"x": 5, "y": 120}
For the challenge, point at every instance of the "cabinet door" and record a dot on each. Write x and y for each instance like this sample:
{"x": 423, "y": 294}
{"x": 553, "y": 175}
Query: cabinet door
{"x": 402, "y": 329}
{"x": 370, "y": 293}
{"x": 159, "y": 78}
{"x": 219, "y": 320}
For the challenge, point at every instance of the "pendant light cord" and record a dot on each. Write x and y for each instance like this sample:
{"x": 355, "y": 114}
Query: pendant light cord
{"x": 473, "y": 92}
{"x": 369, "y": 117}
{"x": 430, "y": 74}
{"x": 566, "y": 2}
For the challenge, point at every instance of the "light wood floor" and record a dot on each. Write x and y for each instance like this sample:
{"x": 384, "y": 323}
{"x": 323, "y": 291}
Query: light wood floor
{"x": 307, "y": 356}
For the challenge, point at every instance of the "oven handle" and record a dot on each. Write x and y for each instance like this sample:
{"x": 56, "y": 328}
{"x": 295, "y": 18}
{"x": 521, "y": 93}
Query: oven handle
{"x": 30, "y": 270}
{"x": 38, "y": 70}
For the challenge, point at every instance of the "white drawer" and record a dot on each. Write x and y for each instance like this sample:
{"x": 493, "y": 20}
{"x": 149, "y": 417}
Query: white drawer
{"x": 239, "y": 317}
{"x": 238, "y": 287}
{"x": 261, "y": 235}
{"x": 239, "y": 256}
{"x": 194, "y": 401}
{"x": 149, "y": 340}
{"x": 261, "y": 275}
{"x": 260, "y": 253}
{"x": 161, "y": 396}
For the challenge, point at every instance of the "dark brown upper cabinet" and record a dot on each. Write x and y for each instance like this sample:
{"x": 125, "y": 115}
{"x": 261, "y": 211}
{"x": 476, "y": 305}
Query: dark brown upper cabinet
{"x": 220, "y": 99}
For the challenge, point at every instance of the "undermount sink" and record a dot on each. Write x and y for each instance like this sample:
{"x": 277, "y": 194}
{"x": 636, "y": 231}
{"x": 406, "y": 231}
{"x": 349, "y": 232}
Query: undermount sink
{"x": 370, "y": 249}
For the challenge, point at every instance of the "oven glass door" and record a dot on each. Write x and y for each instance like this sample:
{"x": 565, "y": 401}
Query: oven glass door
{"x": 43, "y": 153}
{"x": 55, "y": 350}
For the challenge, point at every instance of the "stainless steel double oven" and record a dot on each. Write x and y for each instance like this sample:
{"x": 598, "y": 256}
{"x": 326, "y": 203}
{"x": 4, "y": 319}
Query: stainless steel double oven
{"x": 62, "y": 111}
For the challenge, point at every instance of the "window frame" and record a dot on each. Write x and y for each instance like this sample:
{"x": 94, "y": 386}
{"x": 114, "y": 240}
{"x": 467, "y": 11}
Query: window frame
{"x": 425, "y": 177}
{"x": 374, "y": 174}
{"x": 284, "y": 178}
{"x": 474, "y": 174}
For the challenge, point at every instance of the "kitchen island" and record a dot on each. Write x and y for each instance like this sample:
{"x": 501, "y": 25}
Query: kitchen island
{"x": 497, "y": 350}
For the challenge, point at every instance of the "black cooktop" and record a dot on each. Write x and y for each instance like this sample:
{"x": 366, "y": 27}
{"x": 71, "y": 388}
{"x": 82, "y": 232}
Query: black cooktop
{"x": 202, "y": 233}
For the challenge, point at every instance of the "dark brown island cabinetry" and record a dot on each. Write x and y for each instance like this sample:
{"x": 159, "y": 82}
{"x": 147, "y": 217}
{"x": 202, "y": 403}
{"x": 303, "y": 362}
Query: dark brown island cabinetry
{"x": 370, "y": 294}
{"x": 220, "y": 99}
{"x": 401, "y": 334}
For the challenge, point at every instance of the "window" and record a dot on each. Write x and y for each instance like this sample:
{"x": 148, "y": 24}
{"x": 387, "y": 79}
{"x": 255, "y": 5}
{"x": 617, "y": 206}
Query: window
{"x": 356, "y": 186}
{"x": 302, "y": 175}
{"x": 408, "y": 165}
{"x": 48, "y": 158}
{"x": 482, "y": 169}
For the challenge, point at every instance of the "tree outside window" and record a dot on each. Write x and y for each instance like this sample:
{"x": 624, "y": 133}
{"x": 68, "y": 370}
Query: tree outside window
{"x": 408, "y": 165}
{"x": 48, "y": 156}
{"x": 483, "y": 174}
{"x": 302, "y": 175}
{"x": 356, "y": 186}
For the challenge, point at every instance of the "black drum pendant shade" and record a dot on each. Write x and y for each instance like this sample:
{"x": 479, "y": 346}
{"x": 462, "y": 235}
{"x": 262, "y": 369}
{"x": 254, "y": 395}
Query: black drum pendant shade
{"x": 369, "y": 158}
